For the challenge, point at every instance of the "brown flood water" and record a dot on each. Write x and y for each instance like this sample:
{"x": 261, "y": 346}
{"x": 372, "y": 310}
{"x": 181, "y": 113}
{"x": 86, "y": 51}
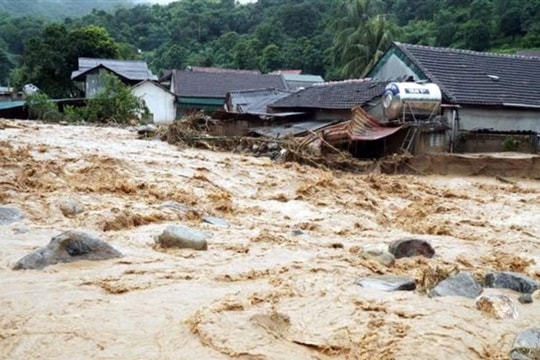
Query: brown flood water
{"x": 259, "y": 292}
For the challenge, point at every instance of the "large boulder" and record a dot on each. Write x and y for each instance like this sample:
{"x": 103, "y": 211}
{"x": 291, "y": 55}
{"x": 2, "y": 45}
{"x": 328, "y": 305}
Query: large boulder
{"x": 387, "y": 283}
{"x": 9, "y": 215}
{"x": 67, "y": 247}
{"x": 526, "y": 345}
{"x": 182, "y": 237}
{"x": 379, "y": 254}
{"x": 410, "y": 248}
{"x": 462, "y": 284}
{"x": 511, "y": 280}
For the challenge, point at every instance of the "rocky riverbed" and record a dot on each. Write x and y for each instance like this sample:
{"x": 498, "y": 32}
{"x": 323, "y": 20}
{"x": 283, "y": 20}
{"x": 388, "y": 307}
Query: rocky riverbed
{"x": 295, "y": 261}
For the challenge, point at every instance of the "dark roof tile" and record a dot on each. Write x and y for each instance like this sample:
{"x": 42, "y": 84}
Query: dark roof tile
{"x": 217, "y": 85}
{"x": 470, "y": 77}
{"x": 333, "y": 95}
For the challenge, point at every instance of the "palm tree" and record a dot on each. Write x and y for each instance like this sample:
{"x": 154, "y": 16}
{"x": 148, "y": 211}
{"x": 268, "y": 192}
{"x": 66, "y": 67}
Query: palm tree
{"x": 361, "y": 37}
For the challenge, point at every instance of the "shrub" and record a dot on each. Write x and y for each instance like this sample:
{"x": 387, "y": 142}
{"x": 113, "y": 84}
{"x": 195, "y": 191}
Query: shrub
{"x": 510, "y": 144}
{"x": 40, "y": 107}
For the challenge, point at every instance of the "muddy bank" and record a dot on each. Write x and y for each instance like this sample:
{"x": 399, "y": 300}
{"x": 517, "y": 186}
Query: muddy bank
{"x": 494, "y": 164}
{"x": 279, "y": 282}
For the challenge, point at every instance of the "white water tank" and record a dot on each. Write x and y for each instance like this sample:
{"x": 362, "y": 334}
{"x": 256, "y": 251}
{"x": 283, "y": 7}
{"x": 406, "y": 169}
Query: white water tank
{"x": 409, "y": 98}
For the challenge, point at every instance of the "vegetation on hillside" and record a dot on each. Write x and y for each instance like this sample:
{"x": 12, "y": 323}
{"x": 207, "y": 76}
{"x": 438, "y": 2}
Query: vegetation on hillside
{"x": 334, "y": 38}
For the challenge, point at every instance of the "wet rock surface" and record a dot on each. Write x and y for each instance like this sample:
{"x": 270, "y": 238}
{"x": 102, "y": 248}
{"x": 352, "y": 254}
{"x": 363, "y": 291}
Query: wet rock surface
{"x": 525, "y": 299}
{"x": 462, "y": 284}
{"x": 387, "y": 283}
{"x": 219, "y": 222}
{"x": 512, "y": 281}
{"x": 378, "y": 254}
{"x": 526, "y": 345}
{"x": 9, "y": 215}
{"x": 67, "y": 247}
{"x": 497, "y": 306}
{"x": 410, "y": 248}
{"x": 182, "y": 237}
{"x": 70, "y": 207}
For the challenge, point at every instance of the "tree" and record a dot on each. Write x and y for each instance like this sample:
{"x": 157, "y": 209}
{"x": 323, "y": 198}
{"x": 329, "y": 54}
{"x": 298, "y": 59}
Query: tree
{"x": 361, "y": 37}
{"x": 50, "y": 58}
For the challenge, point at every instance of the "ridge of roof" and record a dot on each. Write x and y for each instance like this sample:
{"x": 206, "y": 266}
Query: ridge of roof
{"x": 465, "y": 51}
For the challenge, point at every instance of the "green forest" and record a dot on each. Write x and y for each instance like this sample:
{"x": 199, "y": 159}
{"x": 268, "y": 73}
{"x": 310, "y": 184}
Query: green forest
{"x": 337, "y": 39}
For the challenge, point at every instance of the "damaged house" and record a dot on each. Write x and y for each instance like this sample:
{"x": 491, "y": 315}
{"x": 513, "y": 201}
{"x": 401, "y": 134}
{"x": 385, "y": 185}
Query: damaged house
{"x": 491, "y": 102}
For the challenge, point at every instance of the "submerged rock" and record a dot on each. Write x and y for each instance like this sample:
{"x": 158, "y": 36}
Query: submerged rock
{"x": 462, "y": 284}
{"x": 70, "y": 207}
{"x": 182, "y": 237}
{"x": 216, "y": 221}
{"x": 387, "y": 283}
{"x": 497, "y": 306}
{"x": 67, "y": 247}
{"x": 9, "y": 215}
{"x": 411, "y": 247}
{"x": 378, "y": 254}
{"x": 526, "y": 345}
{"x": 512, "y": 281}
{"x": 525, "y": 299}
{"x": 175, "y": 206}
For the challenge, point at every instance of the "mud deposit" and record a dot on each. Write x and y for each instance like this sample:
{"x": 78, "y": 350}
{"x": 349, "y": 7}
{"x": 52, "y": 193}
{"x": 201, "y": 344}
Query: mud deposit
{"x": 277, "y": 284}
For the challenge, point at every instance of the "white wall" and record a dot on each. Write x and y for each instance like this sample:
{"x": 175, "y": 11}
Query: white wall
{"x": 499, "y": 119}
{"x": 394, "y": 69}
{"x": 160, "y": 102}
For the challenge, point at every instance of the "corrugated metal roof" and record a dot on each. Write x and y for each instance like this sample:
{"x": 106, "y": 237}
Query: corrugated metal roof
{"x": 253, "y": 101}
{"x": 303, "y": 78}
{"x": 129, "y": 69}
{"x": 11, "y": 104}
{"x": 292, "y": 129}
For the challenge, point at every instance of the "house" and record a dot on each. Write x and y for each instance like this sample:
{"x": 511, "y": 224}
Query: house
{"x": 160, "y": 102}
{"x": 481, "y": 92}
{"x": 207, "y": 90}
{"x": 90, "y": 70}
{"x": 333, "y": 100}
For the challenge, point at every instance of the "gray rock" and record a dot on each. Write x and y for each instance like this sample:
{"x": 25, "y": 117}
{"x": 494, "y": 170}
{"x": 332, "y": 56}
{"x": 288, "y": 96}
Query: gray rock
{"x": 216, "y": 221}
{"x": 175, "y": 206}
{"x": 67, "y": 247}
{"x": 497, "y": 306}
{"x": 378, "y": 254}
{"x": 9, "y": 215}
{"x": 70, "y": 207}
{"x": 462, "y": 284}
{"x": 512, "y": 281}
{"x": 525, "y": 299}
{"x": 526, "y": 345}
{"x": 182, "y": 237}
{"x": 147, "y": 129}
{"x": 297, "y": 232}
{"x": 410, "y": 248}
{"x": 387, "y": 283}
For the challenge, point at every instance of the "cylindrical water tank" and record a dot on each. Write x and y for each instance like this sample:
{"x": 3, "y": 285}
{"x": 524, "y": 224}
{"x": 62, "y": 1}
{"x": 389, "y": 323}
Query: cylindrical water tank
{"x": 409, "y": 98}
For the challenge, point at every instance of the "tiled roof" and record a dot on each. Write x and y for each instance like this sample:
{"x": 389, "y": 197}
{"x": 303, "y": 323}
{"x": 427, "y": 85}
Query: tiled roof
{"x": 217, "y": 85}
{"x": 129, "y": 69}
{"x": 220, "y": 70}
{"x": 469, "y": 77}
{"x": 333, "y": 95}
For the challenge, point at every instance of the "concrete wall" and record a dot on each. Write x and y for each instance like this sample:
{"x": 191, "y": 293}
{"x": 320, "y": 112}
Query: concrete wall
{"x": 161, "y": 103}
{"x": 499, "y": 119}
{"x": 489, "y": 142}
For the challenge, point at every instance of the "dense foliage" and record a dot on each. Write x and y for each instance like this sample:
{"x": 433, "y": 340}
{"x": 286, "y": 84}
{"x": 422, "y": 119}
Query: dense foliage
{"x": 333, "y": 38}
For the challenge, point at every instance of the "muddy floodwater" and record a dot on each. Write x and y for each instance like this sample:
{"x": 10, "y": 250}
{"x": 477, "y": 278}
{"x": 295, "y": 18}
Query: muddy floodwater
{"x": 278, "y": 283}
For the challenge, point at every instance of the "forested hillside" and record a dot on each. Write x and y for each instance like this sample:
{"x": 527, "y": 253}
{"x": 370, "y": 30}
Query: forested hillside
{"x": 333, "y": 38}
{"x": 58, "y": 9}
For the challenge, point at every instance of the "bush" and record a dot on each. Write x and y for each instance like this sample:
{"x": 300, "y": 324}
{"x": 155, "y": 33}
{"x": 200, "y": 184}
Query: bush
{"x": 40, "y": 107}
{"x": 510, "y": 144}
{"x": 115, "y": 103}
